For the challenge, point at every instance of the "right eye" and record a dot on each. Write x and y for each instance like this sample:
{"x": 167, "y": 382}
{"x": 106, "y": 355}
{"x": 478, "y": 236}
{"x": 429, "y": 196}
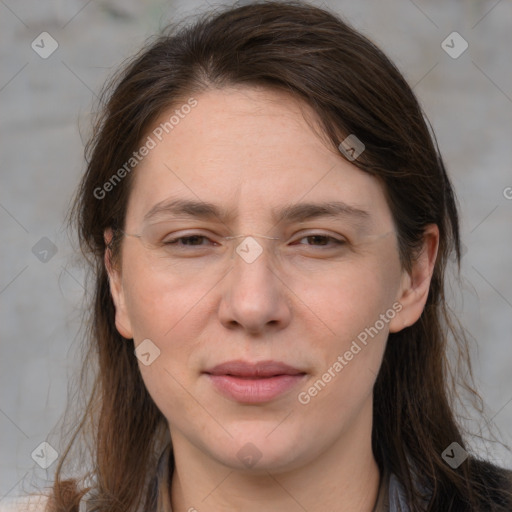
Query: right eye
{"x": 186, "y": 241}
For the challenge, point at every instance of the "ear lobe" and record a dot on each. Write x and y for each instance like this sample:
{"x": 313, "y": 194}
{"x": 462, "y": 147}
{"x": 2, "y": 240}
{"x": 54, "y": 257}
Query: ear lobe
{"x": 415, "y": 284}
{"x": 122, "y": 319}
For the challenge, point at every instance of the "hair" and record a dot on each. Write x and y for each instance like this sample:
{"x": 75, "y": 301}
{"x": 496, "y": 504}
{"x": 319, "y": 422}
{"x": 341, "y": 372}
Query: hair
{"x": 352, "y": 88}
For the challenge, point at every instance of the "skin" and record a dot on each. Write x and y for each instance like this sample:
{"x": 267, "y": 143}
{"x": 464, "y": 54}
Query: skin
{"x": 251, "y": 150}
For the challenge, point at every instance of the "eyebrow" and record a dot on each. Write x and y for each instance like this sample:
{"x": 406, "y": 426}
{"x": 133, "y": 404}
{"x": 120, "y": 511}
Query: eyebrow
{"x": 300, "y": 212}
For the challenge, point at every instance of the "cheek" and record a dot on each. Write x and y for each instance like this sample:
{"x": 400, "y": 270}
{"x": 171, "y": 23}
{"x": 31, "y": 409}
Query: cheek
{"x": 353, "y": 308}
{"x": 170, "y": 313}
{"x": 167, "y": 311}
{"x": 349, "y": 298}
{"x": 160, "y": 303}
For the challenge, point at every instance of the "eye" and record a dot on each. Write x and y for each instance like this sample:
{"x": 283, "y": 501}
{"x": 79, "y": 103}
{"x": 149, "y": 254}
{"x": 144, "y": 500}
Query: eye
{"x": 321, "y": 240}
{"x": 186, "y": 241}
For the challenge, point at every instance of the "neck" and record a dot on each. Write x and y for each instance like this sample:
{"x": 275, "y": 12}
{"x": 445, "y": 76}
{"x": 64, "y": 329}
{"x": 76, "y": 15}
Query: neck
{"x": 343, "y": 478}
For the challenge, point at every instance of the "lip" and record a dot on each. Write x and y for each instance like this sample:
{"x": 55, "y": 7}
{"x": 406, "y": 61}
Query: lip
{"x": 254, "y": 382}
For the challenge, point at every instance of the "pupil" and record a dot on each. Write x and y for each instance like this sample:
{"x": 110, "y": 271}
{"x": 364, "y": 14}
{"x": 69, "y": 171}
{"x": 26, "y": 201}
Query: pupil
{"x": 318, "y": 238}
{"x": 194, "y": 238}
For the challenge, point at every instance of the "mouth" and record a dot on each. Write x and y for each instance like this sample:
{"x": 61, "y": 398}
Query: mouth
{"x": 253, "y": 383}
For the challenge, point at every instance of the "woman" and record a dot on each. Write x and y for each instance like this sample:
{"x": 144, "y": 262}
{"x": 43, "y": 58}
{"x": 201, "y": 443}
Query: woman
{"x": 269, "y": 222}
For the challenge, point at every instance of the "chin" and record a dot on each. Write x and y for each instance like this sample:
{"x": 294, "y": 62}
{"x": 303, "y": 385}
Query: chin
{"x": 257, "y": 451}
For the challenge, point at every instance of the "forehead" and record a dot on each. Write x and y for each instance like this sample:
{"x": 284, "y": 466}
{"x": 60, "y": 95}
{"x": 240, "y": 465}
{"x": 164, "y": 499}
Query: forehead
{"x": 252, "y": 151}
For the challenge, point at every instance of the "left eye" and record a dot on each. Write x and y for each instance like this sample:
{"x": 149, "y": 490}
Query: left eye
{"x": 321, "y": 240}
{"x": 187, "y": 241}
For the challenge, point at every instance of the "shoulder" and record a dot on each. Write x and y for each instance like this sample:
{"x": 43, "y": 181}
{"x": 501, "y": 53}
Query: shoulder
{"x": 495, "y": 480}
{"x": 30, "y": 503}
{"x": 490, "y": 486}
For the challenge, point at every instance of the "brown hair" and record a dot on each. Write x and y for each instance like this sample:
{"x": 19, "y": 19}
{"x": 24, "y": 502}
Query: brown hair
{"x": 354, "y": 89}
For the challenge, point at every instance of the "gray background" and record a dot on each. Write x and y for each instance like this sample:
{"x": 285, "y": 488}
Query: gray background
{"x": 46, "y": 107}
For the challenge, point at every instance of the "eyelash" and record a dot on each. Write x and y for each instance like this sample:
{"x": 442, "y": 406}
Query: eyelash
{"x": 174, "y": 241}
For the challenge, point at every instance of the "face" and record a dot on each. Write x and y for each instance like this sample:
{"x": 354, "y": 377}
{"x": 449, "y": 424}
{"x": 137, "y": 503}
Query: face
{"x": 297, "y": 321}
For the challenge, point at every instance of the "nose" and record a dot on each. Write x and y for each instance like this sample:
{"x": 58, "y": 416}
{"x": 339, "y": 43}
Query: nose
{"x": 254, "y": 297}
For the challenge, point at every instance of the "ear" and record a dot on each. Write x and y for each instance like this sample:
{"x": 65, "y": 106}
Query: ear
{"x": 123, "y": 323}
{"x": 415, "y": 284}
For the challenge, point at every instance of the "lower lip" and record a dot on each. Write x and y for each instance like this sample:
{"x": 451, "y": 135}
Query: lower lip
{"x": 254, "y": 391}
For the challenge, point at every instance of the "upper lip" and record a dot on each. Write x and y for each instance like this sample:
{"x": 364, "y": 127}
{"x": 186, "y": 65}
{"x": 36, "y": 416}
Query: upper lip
{"x": 260, "y": 369}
